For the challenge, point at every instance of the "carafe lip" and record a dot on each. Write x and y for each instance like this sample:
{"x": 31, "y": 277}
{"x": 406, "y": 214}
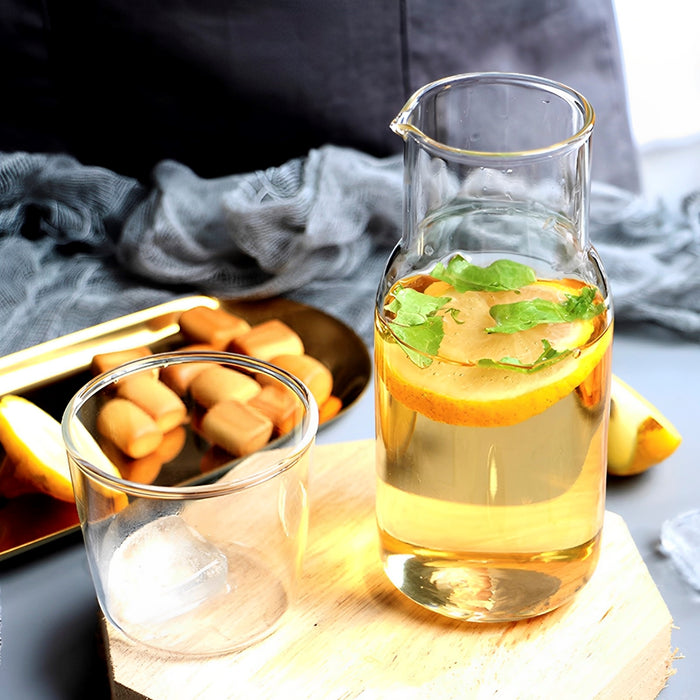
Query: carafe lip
{"x": 403, "y": 126}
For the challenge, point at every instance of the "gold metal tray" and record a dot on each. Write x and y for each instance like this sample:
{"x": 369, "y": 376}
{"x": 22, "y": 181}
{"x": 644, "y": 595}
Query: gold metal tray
{"x": 50, "y": 373}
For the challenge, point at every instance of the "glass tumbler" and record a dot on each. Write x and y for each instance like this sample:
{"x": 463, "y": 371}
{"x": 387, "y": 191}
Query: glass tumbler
{"x": 192, "y": 497}
{"x": 492, "y": 353}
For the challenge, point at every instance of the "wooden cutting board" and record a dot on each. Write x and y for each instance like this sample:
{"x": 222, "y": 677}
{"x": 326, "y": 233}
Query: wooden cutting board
{"x": 352, "y": 635}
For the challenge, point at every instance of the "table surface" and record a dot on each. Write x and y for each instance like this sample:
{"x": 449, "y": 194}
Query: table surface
{"x": 51, "y": 649}
{"x": 50, "y": 635}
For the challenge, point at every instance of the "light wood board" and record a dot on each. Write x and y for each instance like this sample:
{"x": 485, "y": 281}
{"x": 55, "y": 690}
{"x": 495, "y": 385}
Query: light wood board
{"x": 352, "y": 635}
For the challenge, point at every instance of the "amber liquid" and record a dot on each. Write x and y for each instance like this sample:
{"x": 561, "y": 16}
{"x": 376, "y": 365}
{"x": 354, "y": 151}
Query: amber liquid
{"x": 491, "y": 523}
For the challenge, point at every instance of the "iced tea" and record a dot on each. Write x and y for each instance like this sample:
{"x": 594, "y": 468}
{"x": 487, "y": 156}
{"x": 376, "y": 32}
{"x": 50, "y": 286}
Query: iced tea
{"x": 492, "y": 395}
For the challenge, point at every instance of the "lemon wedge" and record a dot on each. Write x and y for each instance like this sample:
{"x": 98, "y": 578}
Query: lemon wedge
{"x": 639, "y": 435}
{"x": 36, "y": 456}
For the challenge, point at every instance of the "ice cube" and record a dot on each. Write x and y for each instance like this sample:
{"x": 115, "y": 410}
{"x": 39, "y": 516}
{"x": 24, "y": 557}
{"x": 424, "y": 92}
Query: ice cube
{"x": 680, "y": 540}
{"x": 162, "y": 570}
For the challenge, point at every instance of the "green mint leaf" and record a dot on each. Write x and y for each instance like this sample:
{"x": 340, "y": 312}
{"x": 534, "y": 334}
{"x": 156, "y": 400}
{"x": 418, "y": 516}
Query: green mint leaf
{"x": 415, "y": 324}
{"x": 547, "y": 358}
{"x": 522, "y": 315}
{"x": 454, "y": 314}
{"x": 581, "y": 306}
{"x": 499, "y": 276}
{"x": 420, "y": 340}
{"x": 411, "y": 307}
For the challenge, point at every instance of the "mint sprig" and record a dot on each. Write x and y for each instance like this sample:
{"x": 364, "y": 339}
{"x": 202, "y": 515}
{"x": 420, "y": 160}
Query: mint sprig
{"x": 523, "y": 315}
{"x": 500, "y": 276}
{"x": 415, "y": 323}
{"x": 547, "y": 358}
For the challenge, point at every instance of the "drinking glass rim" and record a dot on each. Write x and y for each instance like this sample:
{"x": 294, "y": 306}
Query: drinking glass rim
{"x": 401, "y": 123}
{"x": 96, "y": 384}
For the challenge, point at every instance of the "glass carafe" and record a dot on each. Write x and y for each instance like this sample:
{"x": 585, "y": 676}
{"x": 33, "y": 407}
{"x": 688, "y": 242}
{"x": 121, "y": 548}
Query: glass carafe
{"x": 492, "y": 353}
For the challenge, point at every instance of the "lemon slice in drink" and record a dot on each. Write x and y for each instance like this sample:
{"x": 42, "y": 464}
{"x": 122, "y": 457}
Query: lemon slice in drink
{"x": 454, "y": 389}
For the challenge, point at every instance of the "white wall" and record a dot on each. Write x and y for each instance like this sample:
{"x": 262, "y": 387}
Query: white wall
{"x": 661, "y": 51}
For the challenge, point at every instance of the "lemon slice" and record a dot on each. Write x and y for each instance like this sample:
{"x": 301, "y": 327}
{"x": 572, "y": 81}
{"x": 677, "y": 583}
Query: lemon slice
{"x": 34, "y": 447}
{"x": 455, "y": 390}
{"x": 639, "y": 435}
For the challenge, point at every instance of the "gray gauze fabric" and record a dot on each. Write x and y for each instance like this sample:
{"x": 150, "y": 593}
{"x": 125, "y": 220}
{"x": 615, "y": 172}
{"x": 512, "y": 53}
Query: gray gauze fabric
{"x": 80, "y": 245}
{"x": 318, "y": 229}
{"x": 267, "y": 232}
{"x": 59, "y": 225}
{"x": 652, "y": 257}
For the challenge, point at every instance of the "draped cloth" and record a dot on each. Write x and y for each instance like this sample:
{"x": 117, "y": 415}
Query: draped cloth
{"x": 80, "y": 244}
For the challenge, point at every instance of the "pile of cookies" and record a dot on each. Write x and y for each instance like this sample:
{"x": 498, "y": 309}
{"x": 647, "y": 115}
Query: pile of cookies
{"x": 237, "y": 412}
